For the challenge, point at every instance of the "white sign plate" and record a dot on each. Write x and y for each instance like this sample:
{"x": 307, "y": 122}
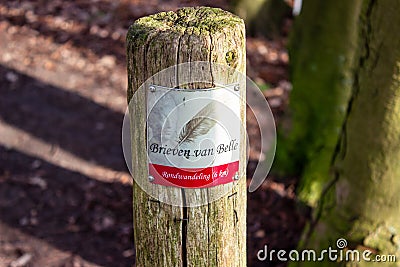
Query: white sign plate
{"x": 193, "y": 136}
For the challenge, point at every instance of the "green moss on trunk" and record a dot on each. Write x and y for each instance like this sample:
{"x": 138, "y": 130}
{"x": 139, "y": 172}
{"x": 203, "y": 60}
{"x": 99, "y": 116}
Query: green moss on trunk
{"x": 322, "y": 57}
{"x": 362, "y": 204}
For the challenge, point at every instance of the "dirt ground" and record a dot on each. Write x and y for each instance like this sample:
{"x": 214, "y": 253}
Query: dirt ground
{"x": 65, "y": 192}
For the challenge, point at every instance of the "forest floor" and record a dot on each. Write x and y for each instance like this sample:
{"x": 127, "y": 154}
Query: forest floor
{"x": 65, "y": 192}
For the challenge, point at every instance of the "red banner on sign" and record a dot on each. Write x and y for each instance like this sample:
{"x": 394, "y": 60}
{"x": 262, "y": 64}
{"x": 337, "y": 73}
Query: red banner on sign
{"x": 194, "y": 177}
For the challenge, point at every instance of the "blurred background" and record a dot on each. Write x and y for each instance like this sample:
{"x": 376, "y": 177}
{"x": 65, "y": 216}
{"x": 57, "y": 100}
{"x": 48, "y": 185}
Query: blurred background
{"x": 65, "y": 192}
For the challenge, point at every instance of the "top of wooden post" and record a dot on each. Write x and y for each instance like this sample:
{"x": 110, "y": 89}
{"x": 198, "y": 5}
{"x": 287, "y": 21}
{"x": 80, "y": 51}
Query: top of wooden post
{"x": 201, "y": 20}
{"x": 189, "y": 34}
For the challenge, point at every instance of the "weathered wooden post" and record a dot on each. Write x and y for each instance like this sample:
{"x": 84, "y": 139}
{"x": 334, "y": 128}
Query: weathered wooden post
{"x": 186, "y": 234}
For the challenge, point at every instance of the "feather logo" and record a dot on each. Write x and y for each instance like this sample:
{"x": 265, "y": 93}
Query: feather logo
{"x": 199, "y": 125}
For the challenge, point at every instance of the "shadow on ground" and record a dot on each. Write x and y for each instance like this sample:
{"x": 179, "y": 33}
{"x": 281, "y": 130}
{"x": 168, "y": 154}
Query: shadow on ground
{"x": 62, "y": 118}
{"x": 69, "y": 211}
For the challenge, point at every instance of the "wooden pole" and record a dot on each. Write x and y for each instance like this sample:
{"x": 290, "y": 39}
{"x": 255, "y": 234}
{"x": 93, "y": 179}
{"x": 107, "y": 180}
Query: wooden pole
{"x": 174, "y": 235}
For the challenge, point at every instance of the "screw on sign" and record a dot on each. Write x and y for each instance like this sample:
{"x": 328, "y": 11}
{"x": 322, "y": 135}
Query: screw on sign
{"x": 187, "y": 117}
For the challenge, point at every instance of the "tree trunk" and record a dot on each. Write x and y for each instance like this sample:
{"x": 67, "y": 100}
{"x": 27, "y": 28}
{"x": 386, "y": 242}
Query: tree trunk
{"x": 362, "y": 201}
{"x": 321, "y": 51}
{"x": 262, "y": 17}
{"x": 166, "y": 235}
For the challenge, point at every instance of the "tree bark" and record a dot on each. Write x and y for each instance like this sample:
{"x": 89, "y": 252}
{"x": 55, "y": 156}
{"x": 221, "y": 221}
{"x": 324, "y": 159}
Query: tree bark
{"x": 322, "y": 51}
{"x": 165, "y": 235}
{"x": 362, "y": 201}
